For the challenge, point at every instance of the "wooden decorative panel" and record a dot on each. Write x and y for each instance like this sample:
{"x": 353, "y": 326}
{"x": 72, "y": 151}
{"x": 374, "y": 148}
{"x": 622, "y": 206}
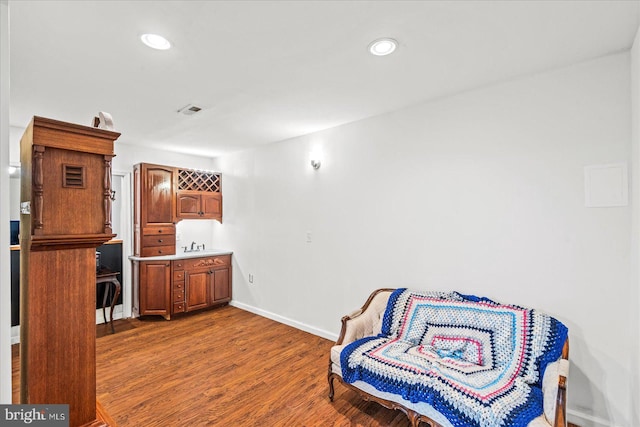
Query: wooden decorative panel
{"x": 73, "y": 176}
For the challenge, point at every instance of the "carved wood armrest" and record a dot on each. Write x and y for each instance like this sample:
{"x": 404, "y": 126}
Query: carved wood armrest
{"x": 357, "y": 325}
{"x": 561, "y": 399}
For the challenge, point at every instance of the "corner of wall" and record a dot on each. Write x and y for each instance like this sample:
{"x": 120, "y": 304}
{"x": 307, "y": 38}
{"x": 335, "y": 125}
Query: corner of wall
{"x": 5, "y": 282}
{"x": 635, "y": 221}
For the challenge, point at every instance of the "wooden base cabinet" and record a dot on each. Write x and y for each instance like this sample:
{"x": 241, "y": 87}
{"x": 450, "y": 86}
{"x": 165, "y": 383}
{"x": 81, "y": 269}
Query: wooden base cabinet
{"x": 154, "y": 284}
{"x": 207, "y": 281}
{"x": 221, "y": 285}
{"x": 166, "y": 288}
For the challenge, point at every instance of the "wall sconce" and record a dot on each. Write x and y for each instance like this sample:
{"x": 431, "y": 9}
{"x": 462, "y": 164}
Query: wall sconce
{"x": 315, "y": 157}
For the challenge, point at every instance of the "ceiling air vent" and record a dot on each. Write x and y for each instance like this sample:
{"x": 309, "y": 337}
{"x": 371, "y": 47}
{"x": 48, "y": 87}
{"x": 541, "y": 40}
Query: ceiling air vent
{"x": 189, "y": 110}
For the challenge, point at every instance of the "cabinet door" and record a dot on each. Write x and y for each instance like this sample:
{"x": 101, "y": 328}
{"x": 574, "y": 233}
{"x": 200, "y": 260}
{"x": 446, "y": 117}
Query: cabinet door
{"x": 221, "y": 285}
{"x": 188, "y": 205}
{"x": 211, "y": 205}
{"x": 197, "y": 289}
{"x": 157, "y": 190}
{"x": 155, "y": 288}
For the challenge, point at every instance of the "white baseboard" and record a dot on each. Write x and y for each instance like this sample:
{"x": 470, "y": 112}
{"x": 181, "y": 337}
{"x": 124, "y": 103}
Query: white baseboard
{"x": 281, "y": 319}
{"x": 578, "y": 417}
{"x": 586, "y": 420}
{"x": 15, "y": 335}
{"x": 117, "y": 314}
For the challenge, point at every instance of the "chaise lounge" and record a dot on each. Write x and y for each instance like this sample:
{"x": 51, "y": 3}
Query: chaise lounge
{"x": 448, "y": 359}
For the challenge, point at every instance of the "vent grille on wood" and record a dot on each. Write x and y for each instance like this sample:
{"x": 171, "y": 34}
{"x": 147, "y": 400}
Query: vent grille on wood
{"x": 198, "y": 181}
{"x": 73, "y": 176}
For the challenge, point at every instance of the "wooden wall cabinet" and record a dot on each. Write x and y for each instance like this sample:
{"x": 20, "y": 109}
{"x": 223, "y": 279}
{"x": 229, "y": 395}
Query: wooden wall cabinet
{"x": 154, "y": 229}
{"x": 199, "y": 205}
{"x": 164, "y": 195}
{"x": 65, "y": 215}
{"x": 199, "y": 195}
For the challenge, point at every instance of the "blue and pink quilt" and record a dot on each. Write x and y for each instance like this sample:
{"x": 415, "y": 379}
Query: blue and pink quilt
{"x": 478, "y": 362}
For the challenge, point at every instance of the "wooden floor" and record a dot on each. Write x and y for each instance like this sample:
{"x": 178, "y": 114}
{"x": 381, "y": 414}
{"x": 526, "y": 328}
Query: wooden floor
{"x": 224, "y": 367}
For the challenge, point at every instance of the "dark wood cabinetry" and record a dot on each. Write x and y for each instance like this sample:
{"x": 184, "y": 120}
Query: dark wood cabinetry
{"x": 199, "y": 195}
{"x": 207, "y": 281}
{"x": 197, "y": 285}
{"x": 154, "y": 206}
{"x": 65, "y": 216}
{"x": 164, "y": 195}
{"x": 199, "y": 205}
{"x": 166, "y": 288}
{"x": 155, "y": 288}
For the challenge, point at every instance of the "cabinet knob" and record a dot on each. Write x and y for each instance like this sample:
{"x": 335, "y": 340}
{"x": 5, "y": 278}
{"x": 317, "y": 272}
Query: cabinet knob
{"x": 160, "y": 231}
{"x": 160, "y": 240}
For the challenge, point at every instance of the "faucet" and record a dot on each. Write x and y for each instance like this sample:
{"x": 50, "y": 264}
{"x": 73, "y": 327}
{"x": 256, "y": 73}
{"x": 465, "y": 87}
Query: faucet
{"x": 192, "y": 245}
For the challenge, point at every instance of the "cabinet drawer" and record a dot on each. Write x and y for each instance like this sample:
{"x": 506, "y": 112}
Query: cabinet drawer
{"x": 178, "y": 265}
{"x": 178, "y": 275}
{"x": 215, "y": 261}
{"x": 155, "y": 230}
{"x": 178, "y": 307}
{"x": 178, "y": 296}
{"x": 159, "y": 240}
{"x": 158, "y": 250}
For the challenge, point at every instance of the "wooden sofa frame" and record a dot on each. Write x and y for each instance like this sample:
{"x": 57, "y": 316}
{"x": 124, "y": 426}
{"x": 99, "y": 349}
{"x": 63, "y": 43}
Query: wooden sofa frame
{"x": 414, "y": 417}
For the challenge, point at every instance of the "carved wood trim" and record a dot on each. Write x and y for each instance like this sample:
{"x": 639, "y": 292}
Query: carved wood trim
{"x": 561, "y": 399}
{"x": 39, "y": 243}
{"x": 345, "y": 319}
{"x": 106, "y": 195}
{"x": 413, "y": 416}
{"x": 38, "y": 189}
{"x": 208, "y": 262}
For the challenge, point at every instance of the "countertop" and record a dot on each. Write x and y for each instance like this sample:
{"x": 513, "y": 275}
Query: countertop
{"x": 183, "y": 255}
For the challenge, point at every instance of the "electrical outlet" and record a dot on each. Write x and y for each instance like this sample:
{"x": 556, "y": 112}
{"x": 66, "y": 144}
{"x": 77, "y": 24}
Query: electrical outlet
{"x": 309, "y": 237}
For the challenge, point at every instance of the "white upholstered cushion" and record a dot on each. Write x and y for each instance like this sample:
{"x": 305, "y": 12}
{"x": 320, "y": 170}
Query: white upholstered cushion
{"x": 369, "y": 322}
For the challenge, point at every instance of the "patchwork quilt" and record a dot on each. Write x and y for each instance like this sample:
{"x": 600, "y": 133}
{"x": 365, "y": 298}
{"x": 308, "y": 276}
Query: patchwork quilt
{"x": 476, "y": 361}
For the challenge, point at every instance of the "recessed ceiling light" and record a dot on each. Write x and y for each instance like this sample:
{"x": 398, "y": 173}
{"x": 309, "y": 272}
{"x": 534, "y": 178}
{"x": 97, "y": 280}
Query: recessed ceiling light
{"x": 382, "y": 47}
{"x": 155, "y": 41}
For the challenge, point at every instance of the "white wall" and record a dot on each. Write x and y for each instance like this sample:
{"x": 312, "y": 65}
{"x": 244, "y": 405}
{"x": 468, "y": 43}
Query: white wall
{"x": 635, "y": 228}
{"x": 5, "y": 277}
{"x": 481, "y": 192}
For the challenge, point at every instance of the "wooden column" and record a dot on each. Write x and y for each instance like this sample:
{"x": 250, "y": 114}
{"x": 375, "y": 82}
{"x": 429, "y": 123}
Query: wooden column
{"x": 65, "y": 216}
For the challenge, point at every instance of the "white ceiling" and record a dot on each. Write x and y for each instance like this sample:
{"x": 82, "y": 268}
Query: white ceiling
{"x": 265, "y": 71}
